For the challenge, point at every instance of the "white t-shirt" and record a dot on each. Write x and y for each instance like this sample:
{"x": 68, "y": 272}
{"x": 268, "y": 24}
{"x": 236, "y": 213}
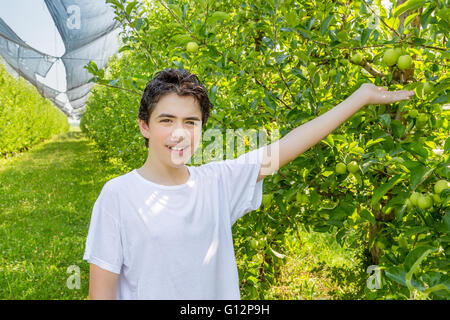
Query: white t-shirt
{"x": 175, "y": 242}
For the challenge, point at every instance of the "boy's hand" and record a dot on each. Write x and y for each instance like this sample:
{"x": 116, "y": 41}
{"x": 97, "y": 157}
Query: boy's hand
{"x": 371, "y": 94}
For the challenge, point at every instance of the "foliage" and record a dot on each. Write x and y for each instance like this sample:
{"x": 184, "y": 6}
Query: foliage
{"x": 26, "y": 118}
{"x": 278, "y": 64}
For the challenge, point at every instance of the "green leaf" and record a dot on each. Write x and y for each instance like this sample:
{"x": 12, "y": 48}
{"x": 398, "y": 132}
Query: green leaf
{"x": 415, "y": 230}
{"x": 113, "y": 82}
{"x": 408, "y": 5}
{"x": 367, "y": 215}
{"x": 139, "y": 23}
{"x": 397, "y": 128}
{"x": 424, "y": 16}
{"x": 268, "y": 101}
{"x": 277, "y": 254}
{"x": 213, "y": 93}
{"x": 409, "y": 19}
{"x": 181, "y": 39}
{"x": 325, "y": 23}
{"x": 217, "y": 16}
{"x": 419, "y": 174}
{"x": 416, "y": 149}
{"x": 130, "y": 7}
{"x": 384, "y": 188}
{"x": 280, "y": 58}
{"x": 415, "y": 257}
{"x": 436, "y": 288}
{"x": 125, "y": 48}
{"x": 117, "y": 3}
{"x": 396, "y": 274}
{"x": 413, "y": 260}
{"x": 385, "y": 120}
{"x": 365, "y": 36}
{"x": 372, "y": 142}
{"x": 297, "y": 72}
{"x": 305, "y": 33}
{"x": 175, "y": 9}
{"x": 447, "y": 145}
{"x": 444, "y": 226}
{"x": 340, "y": 236}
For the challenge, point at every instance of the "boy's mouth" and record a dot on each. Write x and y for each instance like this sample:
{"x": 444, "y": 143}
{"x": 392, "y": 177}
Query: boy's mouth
{"x": 178, "y": 150}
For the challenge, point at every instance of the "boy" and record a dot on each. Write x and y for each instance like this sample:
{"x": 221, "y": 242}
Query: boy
{"x": 163, "y": 231}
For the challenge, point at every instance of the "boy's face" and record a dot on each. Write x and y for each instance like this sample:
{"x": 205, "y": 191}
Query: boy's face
{"x": 175, "y": 122}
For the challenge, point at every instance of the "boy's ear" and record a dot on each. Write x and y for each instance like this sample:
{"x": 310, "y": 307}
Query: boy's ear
{"x": 143, "y": 127}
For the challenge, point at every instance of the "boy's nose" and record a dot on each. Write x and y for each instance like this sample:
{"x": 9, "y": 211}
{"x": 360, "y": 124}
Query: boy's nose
{"x": 179, "y": 135}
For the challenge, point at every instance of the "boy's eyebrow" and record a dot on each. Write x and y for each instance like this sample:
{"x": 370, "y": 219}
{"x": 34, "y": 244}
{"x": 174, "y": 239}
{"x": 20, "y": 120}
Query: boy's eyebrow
{"x": 167, "y": 115}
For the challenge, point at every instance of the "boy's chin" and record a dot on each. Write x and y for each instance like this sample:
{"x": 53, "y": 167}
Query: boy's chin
{"x": 179, "y": 162}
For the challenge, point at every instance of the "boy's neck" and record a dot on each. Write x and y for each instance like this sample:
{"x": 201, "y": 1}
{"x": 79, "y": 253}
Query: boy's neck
{"x": 163, "y": 174}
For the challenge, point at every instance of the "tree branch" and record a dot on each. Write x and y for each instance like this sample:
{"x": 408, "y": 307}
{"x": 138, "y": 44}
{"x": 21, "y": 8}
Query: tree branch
{"x": 370, "y": 8}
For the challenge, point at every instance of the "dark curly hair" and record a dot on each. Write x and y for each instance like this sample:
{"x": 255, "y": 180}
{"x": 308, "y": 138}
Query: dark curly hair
{"x": 170, "y": 80}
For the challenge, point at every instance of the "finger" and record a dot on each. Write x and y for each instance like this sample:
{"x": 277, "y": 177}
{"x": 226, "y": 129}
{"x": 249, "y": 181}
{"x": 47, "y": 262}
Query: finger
{"x": 409, "y": 92}
{"x": 404, "y": 94}
{"x": 394, "y": 96}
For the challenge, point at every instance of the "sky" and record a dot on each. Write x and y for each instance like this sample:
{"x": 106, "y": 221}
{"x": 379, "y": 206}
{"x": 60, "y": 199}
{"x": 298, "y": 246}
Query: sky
{"x": 32, "y": 22}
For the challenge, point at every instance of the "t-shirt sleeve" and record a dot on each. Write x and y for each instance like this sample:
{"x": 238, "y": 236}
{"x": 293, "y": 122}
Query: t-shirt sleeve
{"x": 103, "y": 243}
{"x": 239, "y": 178}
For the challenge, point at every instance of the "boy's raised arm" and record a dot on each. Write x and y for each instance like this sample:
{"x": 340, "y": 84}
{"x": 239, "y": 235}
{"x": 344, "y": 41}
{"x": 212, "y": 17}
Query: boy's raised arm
{"x": 307, "y": 135}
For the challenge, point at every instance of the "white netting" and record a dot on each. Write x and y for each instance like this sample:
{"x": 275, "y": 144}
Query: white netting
{"x": 89, "y": 33}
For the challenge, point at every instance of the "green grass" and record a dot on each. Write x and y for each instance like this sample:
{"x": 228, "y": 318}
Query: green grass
{"x": 318, "y": 268}
{"x": 46, "y": 200}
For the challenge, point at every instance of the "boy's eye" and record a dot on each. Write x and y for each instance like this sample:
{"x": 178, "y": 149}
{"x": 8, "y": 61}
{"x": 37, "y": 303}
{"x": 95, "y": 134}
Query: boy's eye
{"x": 189, "y": 122}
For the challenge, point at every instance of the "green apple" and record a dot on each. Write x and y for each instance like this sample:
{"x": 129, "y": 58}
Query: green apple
{"x": 421, "y": 120}
{"x": 267, "y": 200}
{"x": 398, "y": 52}
{"x": 436, "y": 108}
{"x": 342, "y": 36}
{"x": 441, "y": 185}
{"x": 424, "y": 201}
{"x": 353, "y": 167}
{"x": 436, "y": 198}
{"x": 254, "y": 244}
{"x": 413, "y": 113}
{"x": 192, "y": 46}
{"x": 380, "y": 244}
{"x": 356, "y": 58}
{"x": 305, "y": 198}
{"x": 332, "y": 73}
{"x": 402, "y": 242}
{"x": 409, "y": 204}
{"x": 341, "y": 168}
{"x": 298, "y": 196}
{"x": 404, "y": 62}
{"x": 414, "y": 197}
{"x": 427, "y": 87}
{"x": 390, "y": 57}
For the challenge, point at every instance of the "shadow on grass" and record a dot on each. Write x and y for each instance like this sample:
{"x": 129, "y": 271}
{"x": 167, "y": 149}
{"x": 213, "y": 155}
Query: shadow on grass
{"x": 350, "y": 284}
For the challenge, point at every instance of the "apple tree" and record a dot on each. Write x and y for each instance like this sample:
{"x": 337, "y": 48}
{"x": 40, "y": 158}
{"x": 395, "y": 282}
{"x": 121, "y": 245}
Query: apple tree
{"x": 378, "y": 183}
